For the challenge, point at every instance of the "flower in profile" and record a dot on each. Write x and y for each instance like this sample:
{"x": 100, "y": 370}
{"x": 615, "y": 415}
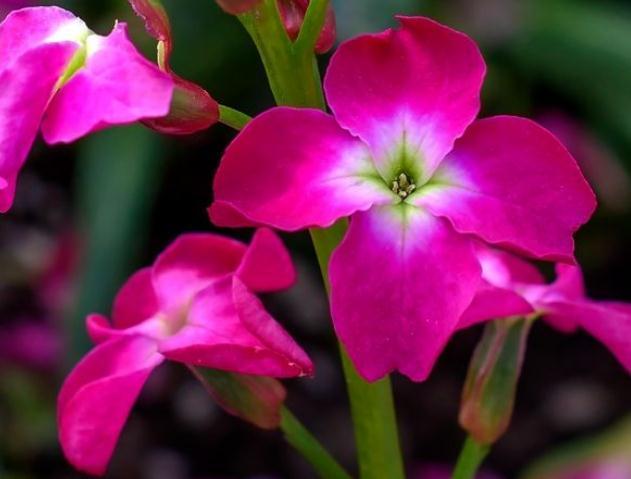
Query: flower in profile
{"x": 196, "y": 305}
{"x": 59, "y": 75}
{"x": 563, "y": 304}
{"x": 403, "y": 157}
{"x": 192, "y": 107}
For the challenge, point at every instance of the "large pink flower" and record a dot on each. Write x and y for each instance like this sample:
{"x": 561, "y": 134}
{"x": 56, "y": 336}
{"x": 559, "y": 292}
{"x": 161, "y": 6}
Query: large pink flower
{"x": 56, "y": 73}
{"x": 563, "y": 304}
{"x": 403, "y": 156}
{"x": 195, "y": 305}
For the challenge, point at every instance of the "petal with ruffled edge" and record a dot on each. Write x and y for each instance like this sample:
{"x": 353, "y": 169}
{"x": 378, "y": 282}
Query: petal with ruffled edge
{"x": 27, "y": 86}
{"x": 218, "y": 336}
{"x": 295, "y": 168}
{"x": 191, "y": 263}
{"x": 266, "y": 265}
{"x": 609, "y": 322}
{"x": 419, "y": 84}
{"x": 29, "y": 28}
{"x": 400, "y": 281}
{"x": 513, "y": 184}
{"x": 97, "y": 396}
{"x": 116, "y": 86}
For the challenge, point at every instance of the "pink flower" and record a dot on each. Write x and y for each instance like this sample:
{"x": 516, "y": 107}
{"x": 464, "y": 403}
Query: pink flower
{"x": 563, "y": 304}
{"x": 403, "y": 157}
{"x": 195, "y": 305}
{"x": 58, "y": 74}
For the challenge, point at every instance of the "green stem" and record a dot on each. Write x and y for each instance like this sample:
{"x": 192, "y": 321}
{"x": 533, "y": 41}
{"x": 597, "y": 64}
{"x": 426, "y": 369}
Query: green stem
{"x": 312, "y": 25}
{"x": 233, "y": 118}
{"x": 294, "y": 79}
{"x": 372, "y": 405}
{"x": 305, "y": 443}
{"x": 292, "y": 72}
{"x": 470, "y": 459}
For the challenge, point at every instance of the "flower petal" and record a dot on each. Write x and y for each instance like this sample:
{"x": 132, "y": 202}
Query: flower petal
{"x": 115, "y": 86}
{"x": 609, "y": 322}
{"x": 97, "y": 397}
{"x": 27, "y": 86}
{"x": 29, "y": 28}
{"x": 241, "y": 338}
{"x": 512, "y": 183}
{"x": 420, "y": 83}
{"x": 295, "y": 168}
{"x": 491, "y": 303}
{"x": 400, "y": 281}
{"x": 266, "y": 265}
{"x": 136, "y": 300}
{"x": 191, "y": 263}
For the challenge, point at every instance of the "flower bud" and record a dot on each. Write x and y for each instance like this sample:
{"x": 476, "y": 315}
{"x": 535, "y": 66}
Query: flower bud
{"x": 255, "y": 399}
{"x": 489, "y": 392}
{"x": 192, "y": 108}
{"x": 293, "y": 14}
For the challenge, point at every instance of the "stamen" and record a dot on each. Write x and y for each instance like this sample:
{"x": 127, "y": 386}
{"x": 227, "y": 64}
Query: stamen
{"x": 403, "y": 185}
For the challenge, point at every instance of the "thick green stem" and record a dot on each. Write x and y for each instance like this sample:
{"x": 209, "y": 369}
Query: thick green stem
{"x": 309, "y": 447}
{"x": 294, "y": 79}
{"x": 470, "y": 458}
{"x": 233, "y": 118}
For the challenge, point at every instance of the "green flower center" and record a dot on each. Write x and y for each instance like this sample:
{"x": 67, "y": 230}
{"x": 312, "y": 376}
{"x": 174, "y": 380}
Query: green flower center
{"x": 403, "y": 185}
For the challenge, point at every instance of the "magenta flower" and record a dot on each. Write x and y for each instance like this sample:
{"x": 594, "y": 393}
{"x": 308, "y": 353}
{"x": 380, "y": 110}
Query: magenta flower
{"x": 195, "y": 305}
{"x": 401, "y": 156}
{"x": 563, "y": 304}
{"x": 58, "y": 74}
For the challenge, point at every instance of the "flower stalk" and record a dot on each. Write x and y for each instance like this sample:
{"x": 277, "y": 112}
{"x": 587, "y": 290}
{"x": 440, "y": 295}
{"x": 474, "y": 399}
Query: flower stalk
{"x": 295, "y": 81}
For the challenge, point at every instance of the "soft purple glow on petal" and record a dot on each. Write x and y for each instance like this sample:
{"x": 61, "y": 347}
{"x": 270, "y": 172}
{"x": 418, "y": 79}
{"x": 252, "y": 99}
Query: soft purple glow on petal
{"x": 296, "y": 168}
{"x": 503, "y": 183}
{"x": 97, "y": 397}
{"x": 115, "y": 86}
{"x": 400, "y": 281}
{"x": 421, "y": 81}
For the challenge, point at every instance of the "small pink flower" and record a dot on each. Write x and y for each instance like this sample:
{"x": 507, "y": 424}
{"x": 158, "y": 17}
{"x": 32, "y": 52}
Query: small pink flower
{"x": 195, "y": 305}
{"x": 563, "y": 304}
{"x": 403, "y": 157}
{"x": 57, "y": 74}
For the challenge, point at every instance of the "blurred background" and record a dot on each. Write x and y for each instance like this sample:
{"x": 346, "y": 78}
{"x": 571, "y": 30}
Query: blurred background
{"x": 88, "y": 214}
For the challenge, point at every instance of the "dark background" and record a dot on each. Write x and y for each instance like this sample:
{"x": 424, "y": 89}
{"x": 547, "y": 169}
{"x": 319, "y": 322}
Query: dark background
{"x": 112, "y": 201}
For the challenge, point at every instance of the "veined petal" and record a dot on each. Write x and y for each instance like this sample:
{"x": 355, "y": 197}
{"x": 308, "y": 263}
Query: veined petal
{"x": 240, "y": 337}
{"x": 27, "y": 86}
{"x": 97, "y": 397}
{"x": 191, "y": 263}
{"x": 400, "y": 281}
{"x": 266, "y": 265}
{"x": 116, "y": 86}
{"x": 419, "y": 85}
{"x": 29, "y": 28}
{"x": 296, "y": 168}
{"x": 513, "y": 184}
